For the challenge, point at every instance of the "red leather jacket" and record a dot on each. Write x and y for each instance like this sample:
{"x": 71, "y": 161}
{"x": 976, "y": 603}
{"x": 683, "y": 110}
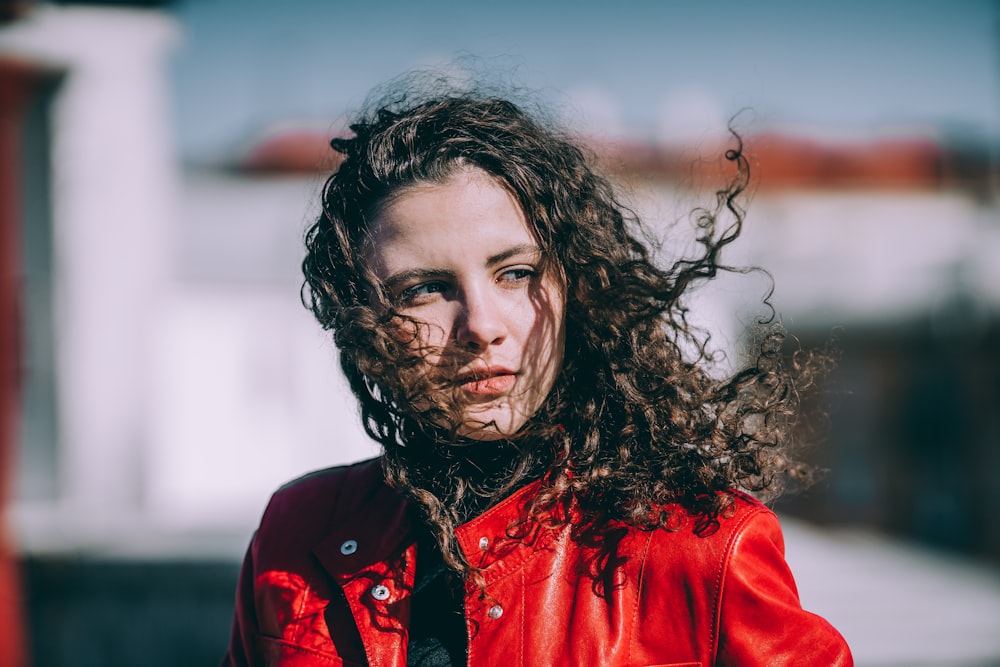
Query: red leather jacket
{"x": 327, "y": 575}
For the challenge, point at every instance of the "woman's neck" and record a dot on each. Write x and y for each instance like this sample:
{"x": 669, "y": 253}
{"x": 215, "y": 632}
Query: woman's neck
{"x": 472, "y": 475}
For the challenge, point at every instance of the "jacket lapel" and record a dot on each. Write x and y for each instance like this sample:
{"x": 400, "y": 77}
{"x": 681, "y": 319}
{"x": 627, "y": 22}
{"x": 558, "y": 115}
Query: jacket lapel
{"x": 370, "y": 553}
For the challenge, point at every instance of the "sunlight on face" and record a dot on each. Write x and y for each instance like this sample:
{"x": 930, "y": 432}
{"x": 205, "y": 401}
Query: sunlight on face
{"x": 459, "y": 257}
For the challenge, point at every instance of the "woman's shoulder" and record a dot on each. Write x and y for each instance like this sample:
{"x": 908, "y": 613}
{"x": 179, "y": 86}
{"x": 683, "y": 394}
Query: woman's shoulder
{"x": 703, "y": 553}
{"x": 706, "y": 542}
{"x": 314, "y": 497}
{"x": 360, "y": 476}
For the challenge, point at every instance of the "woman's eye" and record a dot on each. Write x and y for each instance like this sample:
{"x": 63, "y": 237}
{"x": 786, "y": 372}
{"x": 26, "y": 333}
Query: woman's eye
{"x": 517, "y": 274}
{"x": 416, "y": 292}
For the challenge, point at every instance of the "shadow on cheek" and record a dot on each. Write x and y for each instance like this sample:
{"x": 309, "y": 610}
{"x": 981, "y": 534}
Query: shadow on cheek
{"x": 543, "y": 351}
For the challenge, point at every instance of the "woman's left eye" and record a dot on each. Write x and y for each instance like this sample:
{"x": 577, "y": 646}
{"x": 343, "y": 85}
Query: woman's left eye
{"x": 517, "y": 274}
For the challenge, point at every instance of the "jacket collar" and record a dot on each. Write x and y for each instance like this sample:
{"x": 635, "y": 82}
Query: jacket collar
{"x": 373, "y": 525}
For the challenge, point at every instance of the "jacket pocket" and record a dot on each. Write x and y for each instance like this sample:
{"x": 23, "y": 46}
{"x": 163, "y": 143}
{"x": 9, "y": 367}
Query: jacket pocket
{"x": 280, "y": 653}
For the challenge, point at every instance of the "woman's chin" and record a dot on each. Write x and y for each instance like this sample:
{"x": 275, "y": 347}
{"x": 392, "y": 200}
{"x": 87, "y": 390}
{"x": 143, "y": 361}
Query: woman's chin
{"x": 491, "y": 425}
{"x": 485, "y": 432}
{"x": 482, "y": 433}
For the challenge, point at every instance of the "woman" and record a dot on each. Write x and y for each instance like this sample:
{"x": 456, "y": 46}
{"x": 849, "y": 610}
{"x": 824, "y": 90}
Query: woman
{"x": 558, "y": 477}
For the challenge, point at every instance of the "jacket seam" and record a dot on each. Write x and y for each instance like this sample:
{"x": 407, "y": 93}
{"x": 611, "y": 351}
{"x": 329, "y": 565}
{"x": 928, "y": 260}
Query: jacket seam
{"x": 521, "y": 614}
{"x": 721, "y": 577}
{"x": 638, "y": 598}
{"x": 303, "y": 599}
{"x": 334, "y": 659}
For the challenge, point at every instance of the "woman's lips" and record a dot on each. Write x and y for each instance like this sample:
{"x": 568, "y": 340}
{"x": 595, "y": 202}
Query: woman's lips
{"x": 491, "y": 382}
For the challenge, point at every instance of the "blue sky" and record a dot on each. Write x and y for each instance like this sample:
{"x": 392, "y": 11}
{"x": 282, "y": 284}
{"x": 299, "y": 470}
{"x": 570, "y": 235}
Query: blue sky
{"x": 640, "y": 68}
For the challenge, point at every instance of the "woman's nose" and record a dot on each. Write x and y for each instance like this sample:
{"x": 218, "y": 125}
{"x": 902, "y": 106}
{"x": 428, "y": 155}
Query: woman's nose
{"x": 480, "y": 322}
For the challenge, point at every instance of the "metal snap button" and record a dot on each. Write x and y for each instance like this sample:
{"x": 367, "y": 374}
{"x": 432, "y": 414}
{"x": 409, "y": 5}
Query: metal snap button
{"x": 348, "y": 547}
{"x": 380, "y": 592}
{"x": 484, "y": 542}
{"x": 495, "y": 612}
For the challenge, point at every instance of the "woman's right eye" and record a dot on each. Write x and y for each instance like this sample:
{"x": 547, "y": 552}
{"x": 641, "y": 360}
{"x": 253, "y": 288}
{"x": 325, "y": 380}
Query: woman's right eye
{"x": 417, "y": 293}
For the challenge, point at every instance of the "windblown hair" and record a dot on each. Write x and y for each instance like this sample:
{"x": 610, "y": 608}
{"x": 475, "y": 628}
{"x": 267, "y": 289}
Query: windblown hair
{"x": 635, "y": 423}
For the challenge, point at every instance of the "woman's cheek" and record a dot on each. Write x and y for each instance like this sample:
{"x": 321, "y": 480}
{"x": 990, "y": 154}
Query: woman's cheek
{"x": 422, "y": 338}
{"x": 404, "y": 331}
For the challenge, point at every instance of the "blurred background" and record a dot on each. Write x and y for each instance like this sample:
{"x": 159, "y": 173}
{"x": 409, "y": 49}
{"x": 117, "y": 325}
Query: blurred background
{"x": 160, "y": 161}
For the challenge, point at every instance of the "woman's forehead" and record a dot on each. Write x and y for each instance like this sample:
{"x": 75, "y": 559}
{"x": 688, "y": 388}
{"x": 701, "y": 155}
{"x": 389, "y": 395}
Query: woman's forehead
{"x": 468, "y": 213}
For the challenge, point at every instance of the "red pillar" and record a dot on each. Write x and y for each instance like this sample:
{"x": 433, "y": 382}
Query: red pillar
{"x": 18, "y": 82}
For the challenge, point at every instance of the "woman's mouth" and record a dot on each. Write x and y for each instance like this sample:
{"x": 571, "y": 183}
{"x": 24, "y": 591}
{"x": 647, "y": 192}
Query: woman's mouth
{"x": 488, "y": 382}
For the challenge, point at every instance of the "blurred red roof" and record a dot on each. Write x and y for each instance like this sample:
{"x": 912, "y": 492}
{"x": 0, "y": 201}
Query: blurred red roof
{"x": 778, "y": 161}
{"x": 291, "y": 152}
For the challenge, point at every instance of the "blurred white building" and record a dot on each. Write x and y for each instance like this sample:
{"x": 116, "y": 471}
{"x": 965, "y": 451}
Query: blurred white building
{"x": 174, "y": 379}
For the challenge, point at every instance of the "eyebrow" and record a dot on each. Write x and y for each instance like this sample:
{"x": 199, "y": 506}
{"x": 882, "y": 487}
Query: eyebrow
{"x": 410, "y": 275}
{"x": 522, "y": 249}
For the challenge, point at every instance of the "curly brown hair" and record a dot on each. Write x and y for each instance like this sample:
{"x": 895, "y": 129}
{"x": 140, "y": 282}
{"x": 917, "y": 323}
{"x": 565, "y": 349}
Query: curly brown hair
{"x": 635, "y": 423}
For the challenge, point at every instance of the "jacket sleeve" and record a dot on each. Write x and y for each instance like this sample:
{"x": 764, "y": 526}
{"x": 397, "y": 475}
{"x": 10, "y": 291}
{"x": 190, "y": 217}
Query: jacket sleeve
{"x": 241, "y": 642}
{"x": 760, "y": 618}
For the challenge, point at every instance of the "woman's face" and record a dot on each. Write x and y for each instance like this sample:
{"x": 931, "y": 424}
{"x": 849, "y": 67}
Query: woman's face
{"x": 460, "y": 258}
